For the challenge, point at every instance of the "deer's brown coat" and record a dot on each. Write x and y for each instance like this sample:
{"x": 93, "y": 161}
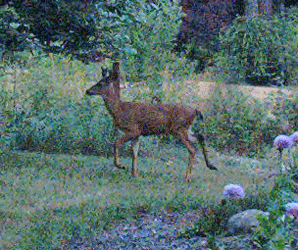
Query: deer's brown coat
{"x": 136, "y": 119}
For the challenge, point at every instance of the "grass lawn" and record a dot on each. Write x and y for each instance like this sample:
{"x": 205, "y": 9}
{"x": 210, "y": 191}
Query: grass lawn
{"x": 46, "y": 199}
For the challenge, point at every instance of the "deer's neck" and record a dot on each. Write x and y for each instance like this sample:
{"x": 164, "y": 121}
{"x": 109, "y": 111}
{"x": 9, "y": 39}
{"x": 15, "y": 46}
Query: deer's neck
{"x": 113, "y": 105}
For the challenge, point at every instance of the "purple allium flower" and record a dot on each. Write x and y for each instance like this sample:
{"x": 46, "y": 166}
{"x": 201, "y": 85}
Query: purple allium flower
{"x": 283, "y": 141}
{"x": 292, "y": 210}
{"x": 294, "y": 137}
{"x": 233, "y": 191}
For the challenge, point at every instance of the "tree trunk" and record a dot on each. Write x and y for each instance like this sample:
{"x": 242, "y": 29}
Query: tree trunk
{"x": 266, "y": 7}
{"x": 251, "y": 8}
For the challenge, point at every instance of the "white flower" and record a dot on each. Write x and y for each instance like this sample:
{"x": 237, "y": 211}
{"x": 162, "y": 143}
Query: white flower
{"x": 292, "y": 210}
{"x": 283, "y": 141}
{"x": 294, "y": 137}
{"x": 233, "y": 191}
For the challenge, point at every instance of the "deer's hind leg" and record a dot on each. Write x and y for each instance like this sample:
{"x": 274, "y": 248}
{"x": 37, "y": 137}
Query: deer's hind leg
{"x": 201, "y": 140}
{"x": 192, "y": 152}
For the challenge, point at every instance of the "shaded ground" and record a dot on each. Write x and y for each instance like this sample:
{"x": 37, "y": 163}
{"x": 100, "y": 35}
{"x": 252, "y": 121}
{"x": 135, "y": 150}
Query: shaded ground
{"x": 153, "y": 232}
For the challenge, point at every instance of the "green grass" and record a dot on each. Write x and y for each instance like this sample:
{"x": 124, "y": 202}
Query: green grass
{"x": 47, "y": 199}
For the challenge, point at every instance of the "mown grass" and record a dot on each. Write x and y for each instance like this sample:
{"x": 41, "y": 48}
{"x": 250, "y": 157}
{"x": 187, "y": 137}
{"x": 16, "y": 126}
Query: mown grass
{"x": 47, "y": 199}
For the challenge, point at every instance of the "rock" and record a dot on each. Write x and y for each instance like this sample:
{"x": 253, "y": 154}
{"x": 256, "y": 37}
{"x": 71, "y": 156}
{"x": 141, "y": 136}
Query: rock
{"x": 246, "y": 221}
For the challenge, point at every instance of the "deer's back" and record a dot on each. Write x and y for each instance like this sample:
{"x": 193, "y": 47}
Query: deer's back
{"x": 155, "y": 119}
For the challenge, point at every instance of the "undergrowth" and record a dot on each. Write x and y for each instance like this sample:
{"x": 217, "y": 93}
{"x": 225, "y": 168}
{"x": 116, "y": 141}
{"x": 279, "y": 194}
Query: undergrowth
{"x": 237, "y": 123}
{"x": 214, "y": 217}
{"x": 275, "y": 232}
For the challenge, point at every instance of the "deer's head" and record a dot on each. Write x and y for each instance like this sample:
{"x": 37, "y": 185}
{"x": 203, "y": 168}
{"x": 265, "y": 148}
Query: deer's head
{"x": 100, "y": 87}
{"x": 106, "y": 85}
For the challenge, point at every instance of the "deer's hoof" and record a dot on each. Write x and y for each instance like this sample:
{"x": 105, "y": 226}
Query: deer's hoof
{"x": 120, "y": 166}
{"x": 212, "y": 167}
{"x": 188, "y": 178}
{"x": 134, "y": 174}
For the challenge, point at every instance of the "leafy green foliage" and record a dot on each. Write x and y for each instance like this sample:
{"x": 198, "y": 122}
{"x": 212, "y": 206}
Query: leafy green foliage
{"x": 60, "y": 26}
{"x": 235, "y": 123}
{"x": 198, "y": 38}
{"x": 285, "y": 110}
{"x": 142, "y": 34}
{"x": 138, "y": 32}
{"x": 278, "y": 231}
{"x": 42, "y": 113}
{"x": 76, "y": 128}
{"x": 275, "y": 232}
{"x": 214, "y": 217}
{"x": 14, "y": 34}
{"x": 260, "y": 51}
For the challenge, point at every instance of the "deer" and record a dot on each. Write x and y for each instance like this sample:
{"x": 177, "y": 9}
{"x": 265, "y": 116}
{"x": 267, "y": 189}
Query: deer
{"x": 145, "y": 119}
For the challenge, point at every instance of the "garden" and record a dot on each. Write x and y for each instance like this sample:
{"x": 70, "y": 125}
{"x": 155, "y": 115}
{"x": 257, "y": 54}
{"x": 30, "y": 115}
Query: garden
{"x": 59, "y": 188}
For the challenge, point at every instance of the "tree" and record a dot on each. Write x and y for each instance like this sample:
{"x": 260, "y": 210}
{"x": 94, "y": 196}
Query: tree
{"x": 200, "y": 28}
{"x": 94, "y": 29}
{"x": 60, "y": 26}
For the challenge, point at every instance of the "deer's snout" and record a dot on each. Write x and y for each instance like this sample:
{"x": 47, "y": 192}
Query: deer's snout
{"x": 95, "y": 90}
{"x": 92, "y": 91}
{"x": 89, "y": 92}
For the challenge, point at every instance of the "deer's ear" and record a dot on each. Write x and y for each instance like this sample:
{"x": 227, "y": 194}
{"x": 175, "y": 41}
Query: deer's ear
{"x": 116, "y": 67}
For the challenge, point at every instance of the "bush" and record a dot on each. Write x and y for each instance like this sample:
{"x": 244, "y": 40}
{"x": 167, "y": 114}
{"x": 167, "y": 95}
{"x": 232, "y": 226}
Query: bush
{"x": 238, "y": 124}
{"x": 215, "y": 216}
{"x": 76, "y": 128}
{"x": 285, "y": 110}
{"x": 42, "y": 108}
{"x": 278, "y": 232}
{"x": 260, "y": 51}
{"x": 15, "y": 35}
{"x": 142, "y": 34}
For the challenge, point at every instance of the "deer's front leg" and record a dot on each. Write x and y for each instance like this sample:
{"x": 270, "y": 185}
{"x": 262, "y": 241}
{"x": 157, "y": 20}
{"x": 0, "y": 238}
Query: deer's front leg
{"x": 120, "y": 143}
{"x": 135, "y": 149}
{"x": 117, "y": 157}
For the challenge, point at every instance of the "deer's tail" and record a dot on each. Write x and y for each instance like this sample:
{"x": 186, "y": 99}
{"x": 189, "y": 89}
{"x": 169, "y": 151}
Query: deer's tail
{"x": 198, "y": 126}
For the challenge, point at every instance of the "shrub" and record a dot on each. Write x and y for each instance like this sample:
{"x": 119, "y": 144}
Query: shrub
{"x": 259, "y": 50}
{"x": 14, "y": 33}
{"x": 235, "y": 123}
{"x": 198, "y": 36}
{"x": 214, "y": 217}
{"x": 142, "y": 34}
{"x": 76, "y": 128}
{"x": 238, "y": 123}
{"x": 285, "y": 110}
{"x": 42, "y": 108}
{"x": 278, "y": 231}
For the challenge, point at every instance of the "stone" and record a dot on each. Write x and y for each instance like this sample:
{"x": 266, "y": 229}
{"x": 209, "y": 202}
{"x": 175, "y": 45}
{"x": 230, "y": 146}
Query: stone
{"x": 246, "y": 221}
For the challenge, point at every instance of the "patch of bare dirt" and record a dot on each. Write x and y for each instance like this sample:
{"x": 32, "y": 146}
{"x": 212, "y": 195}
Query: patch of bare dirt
{"x": 257, "y": 92}
{"x": 155, "y": 232}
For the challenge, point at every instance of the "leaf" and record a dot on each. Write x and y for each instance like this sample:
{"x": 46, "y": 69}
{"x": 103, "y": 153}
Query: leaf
{"x": 15, "y": 25}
